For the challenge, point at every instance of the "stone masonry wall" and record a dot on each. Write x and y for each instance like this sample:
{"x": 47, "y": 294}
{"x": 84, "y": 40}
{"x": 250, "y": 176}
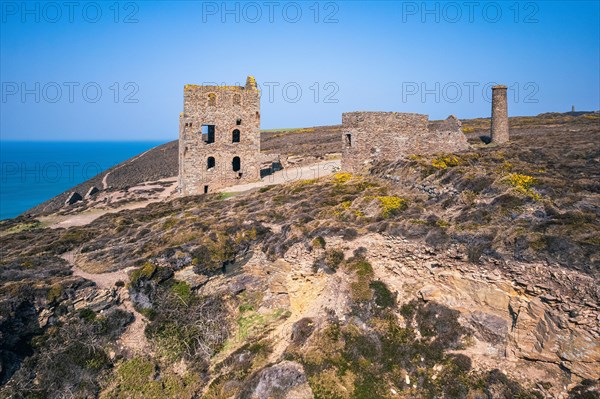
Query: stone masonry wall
{"x": 227, "y": 108}
{"x": 499, "y": 129}
{"x": 371, "y": 136}
{"x": 443, "y": 136}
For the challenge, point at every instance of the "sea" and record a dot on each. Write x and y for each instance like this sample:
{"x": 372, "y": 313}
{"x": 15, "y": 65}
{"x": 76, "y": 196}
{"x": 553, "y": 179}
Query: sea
{"x": 34, "y": 171}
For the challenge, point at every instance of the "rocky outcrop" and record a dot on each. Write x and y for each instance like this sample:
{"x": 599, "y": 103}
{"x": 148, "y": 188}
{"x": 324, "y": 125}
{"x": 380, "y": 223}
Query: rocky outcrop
{"x": 489, "y": 327}
{"x": 285, "y": 379}
{"x": 97, "y": 299}
{"x": 544, "y": 334}
{"x": 528, "y": 332}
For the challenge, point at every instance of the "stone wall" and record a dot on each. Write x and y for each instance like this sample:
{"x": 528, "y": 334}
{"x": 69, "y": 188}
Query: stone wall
{"x": 443, "y": 136}
{"x": 371, "y": 136}
{"x": 227, "y": 108}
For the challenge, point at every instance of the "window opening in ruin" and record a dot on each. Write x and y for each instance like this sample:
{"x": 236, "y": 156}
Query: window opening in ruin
{"x": 238, "y": 122}
{"x": 236, "y": 164}
{"x": 348, "y": 140}
{"x": 235, "y": 136}
{"x": 212, "y": 99}
{"x": 237, "y": 99}
{"x": 257, "y": 115}
{"x": 210, "y": 163}
{"x": 208, "y": 133}
{"x": 205, "y": 189}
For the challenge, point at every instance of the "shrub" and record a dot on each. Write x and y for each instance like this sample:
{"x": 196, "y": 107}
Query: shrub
{"x": 318, "y": 243}
{"x": 194, "y": 330}
{"x": 87, "y": 314}
{"x": 265, "y": 189}
{"x": 54, "y": 293}
{"x": 468, "y": 197}
{"x": 445, "y": 161}
{"x": 224, "y": 196}
{"x": 342, "y": 177}
{"x": 69, "y": 359}
{"x": 139, "y": 378}
{"x": 145, "y": 272}
{"x": 350, "y": 234}
{"x": 523, "y": 184}
{"x": 361, "y": 266}
{"x": 245, "y": 307}
{"x": 169, "y": 223}
{"x": 392, "y": 205}
{"x": 182, "y": 290}
{"x": 383, "y": 297}
{"x": 360, "y": 289}
{"x": 333, "y": 258}
{"x": 329, "y": 384}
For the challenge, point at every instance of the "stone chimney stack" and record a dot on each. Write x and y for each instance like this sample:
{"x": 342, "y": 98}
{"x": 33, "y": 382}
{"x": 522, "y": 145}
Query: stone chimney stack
{"x": 250, "y": 83}
{"x": 499, "y": 132}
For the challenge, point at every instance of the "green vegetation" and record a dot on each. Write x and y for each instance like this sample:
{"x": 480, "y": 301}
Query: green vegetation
{"x": 143, "y": 273}
{"x": 21, "y": 227}
{"x": 71, "y": 356}
{"x": 366, "y": 359}
{"x": 182, "y": 290}
{"x": 55, "y": 292}
{"x": 382, "y": 295}
{"x": 251, "y": 323}
{"x": 360, "y": 288}
{"x": 342, "y": 177}
{"x": 137, "y": 378}
{"x": 224, "y": 196}
{"x": 333, "y": 258}
{"x": 392, "y": 205}
{"x": 445, "y": 161}
{"x": 523, "y": 184}
{"x": 318, "y": 242}
{"x": 87, "y": 314}
{"x": 237, "y": 367}
{"x": 265, "y": 189}
{"x": 170, "y": 223}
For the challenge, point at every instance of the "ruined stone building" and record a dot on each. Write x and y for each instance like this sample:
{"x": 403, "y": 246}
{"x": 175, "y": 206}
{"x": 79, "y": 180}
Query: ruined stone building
{"x": 372, "y": 136}
{"x": 219, "y": 137}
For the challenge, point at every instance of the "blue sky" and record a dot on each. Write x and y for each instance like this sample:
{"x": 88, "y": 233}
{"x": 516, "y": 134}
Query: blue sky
{"x": 100, "y": 72}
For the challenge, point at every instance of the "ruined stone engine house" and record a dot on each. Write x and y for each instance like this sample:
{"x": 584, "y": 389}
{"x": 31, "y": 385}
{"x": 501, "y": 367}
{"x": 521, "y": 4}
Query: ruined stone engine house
{"x": 372, "y": 136}
{"x": 219, "y": 137}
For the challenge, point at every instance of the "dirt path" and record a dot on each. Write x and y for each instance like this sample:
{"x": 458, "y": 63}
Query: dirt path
{"x": 312, "y": 171}
{"x": 105, "y": 178}
{"x": 291, "y": 174}
{"x": 86, "y": 217}
{"x": 133, "y": 339}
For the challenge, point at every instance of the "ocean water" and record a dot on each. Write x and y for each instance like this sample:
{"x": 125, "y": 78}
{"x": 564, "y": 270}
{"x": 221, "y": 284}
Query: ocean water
{"x": 33, "y": 172}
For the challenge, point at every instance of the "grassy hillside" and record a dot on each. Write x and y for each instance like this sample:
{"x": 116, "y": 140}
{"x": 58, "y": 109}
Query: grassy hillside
{"x": 342, "y": 287}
